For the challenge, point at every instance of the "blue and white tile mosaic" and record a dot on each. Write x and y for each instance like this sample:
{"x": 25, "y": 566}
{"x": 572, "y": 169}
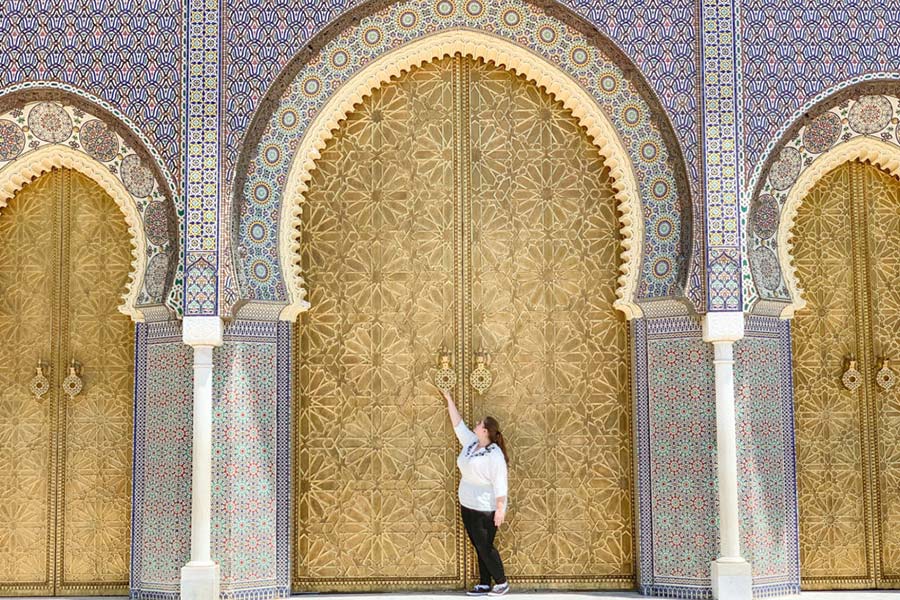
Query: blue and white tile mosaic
{"x": 304, "y": 95}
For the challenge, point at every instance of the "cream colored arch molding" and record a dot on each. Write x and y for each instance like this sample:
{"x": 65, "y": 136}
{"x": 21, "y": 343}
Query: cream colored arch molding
{"x": 884, "y": 155}
{"x": 19, "y": 172}
{"x": 489, "y": 48}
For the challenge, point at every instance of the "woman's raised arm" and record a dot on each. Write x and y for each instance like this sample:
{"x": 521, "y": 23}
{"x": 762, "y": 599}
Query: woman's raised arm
{"x": 455, "y": 417}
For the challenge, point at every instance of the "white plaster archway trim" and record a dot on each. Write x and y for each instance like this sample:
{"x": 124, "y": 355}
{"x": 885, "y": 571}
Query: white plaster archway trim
{"x": 881, "y": 154}
{"x": 489, "y": 48}
{"x": 18, "y": 173}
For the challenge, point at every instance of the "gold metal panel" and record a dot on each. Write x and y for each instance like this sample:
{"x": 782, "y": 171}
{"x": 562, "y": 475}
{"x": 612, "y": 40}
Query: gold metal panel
{"x": 66, "y": 462}
{"x": 97, "y": 445}
{"x": 848, "y": 447}
{"x": 882, "y": 196}
{"x": 834, "y": 528}
{"x": 460, "y": 205}
{"x": 28, "y": 251}
{"x": 543, "y": 274}
{"x": 375, "y": 477}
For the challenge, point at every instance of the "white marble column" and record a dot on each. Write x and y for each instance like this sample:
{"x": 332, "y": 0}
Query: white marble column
{"x": 200, "y": 576}
{"x": 731, "y": 574}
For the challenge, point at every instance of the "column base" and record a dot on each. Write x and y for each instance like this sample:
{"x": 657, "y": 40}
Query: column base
{"x": 732, "y": 580}
{"x": 200, "y": 581}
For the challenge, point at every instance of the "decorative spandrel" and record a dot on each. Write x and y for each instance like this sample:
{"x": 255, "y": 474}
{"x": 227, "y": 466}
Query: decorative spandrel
{"x": 460, "y": 206}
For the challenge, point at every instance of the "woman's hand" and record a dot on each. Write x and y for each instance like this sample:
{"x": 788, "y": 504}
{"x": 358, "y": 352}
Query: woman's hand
{"x": 445, "y": 393}
{"x": 499, "y": 516}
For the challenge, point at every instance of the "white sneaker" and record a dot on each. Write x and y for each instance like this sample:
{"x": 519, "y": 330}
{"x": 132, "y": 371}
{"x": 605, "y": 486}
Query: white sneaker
{"x": 479, "y": 590}
{"x": 499, "y": 589}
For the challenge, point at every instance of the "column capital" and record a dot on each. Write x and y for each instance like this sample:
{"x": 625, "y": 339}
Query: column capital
{"x": 202, "y": 331}
{"x": 723, "y": 326}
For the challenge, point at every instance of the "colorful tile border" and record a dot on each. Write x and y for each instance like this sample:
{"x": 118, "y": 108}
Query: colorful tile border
{"x": 720, "y": 61}
{"x": 202, "y": 78}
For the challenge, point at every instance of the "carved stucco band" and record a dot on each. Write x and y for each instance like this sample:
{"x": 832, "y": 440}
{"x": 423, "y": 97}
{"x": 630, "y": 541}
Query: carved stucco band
{"x": 881, "y": 154}
{"x": 15, "y": 175}
{"x": 489, "y": 48}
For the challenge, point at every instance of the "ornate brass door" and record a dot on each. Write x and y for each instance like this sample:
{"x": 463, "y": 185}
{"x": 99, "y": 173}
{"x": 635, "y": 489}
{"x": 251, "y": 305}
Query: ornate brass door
{"x": 847, "y": 250}
{"x": 65, "y": 460}
{"x": 460, "y": 205}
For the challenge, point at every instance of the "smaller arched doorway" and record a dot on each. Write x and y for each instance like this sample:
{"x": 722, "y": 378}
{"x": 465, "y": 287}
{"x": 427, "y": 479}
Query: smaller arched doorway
{"x": 846, "y": 251}
{"x": 65, "y": 444}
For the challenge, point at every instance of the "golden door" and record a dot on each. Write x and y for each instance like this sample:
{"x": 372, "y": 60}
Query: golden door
{"x": 462, "y": 206}
{"x": 847, "y": 250}
{"x": 65, "y": 459}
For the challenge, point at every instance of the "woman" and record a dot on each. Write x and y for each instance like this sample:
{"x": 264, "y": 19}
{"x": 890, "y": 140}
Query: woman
{"x": 482, "y": 495}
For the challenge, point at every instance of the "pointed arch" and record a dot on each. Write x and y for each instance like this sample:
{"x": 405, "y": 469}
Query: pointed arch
{"x": 573, "y": 63}
{"x": 858, "y": 123}
{"x": 491, "y": 49}
{"x": 883, "y": 155}
{"x": 43, "y": 129}
{"x": 17, "y": 174}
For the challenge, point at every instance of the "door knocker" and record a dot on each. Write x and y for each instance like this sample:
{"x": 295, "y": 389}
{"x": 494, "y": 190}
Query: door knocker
{"x": 39, "y": 385}
{"x": 885, "y": 376}
{"x": 73, "y": 384}
{"x": 481, "y": 378}
{"x": 852, "y": 378}
{"x": 445, "y": 377}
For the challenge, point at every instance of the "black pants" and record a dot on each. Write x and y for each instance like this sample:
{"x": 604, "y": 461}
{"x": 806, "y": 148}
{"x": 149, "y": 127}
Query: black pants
{"x": 481, "y": 530}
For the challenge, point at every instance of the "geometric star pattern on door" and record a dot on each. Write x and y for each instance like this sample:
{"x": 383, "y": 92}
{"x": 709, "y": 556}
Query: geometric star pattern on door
{"x": 460, "y": 205}
{"x": 66, "y": 461}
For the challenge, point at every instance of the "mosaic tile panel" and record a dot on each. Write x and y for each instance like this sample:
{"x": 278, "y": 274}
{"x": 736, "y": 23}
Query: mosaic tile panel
{"x": 520, "y": 22}
{"x": 677, "y": 462}
{"x": 251, "y": 448}
{"x": 765, "y": 454}
{"x": 203, "y": 151}
{"x": 126, "y": 52}
{"x": 801, "y": 49}
{"x": 661, "y": 38}
{"x": 161, "y": 520}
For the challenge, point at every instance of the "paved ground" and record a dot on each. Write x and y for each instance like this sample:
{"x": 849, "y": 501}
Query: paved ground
{"x": 861, "y": 595}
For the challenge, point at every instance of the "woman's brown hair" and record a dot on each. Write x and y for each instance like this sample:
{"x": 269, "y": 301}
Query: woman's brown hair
{"x": 493, "y": 429}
